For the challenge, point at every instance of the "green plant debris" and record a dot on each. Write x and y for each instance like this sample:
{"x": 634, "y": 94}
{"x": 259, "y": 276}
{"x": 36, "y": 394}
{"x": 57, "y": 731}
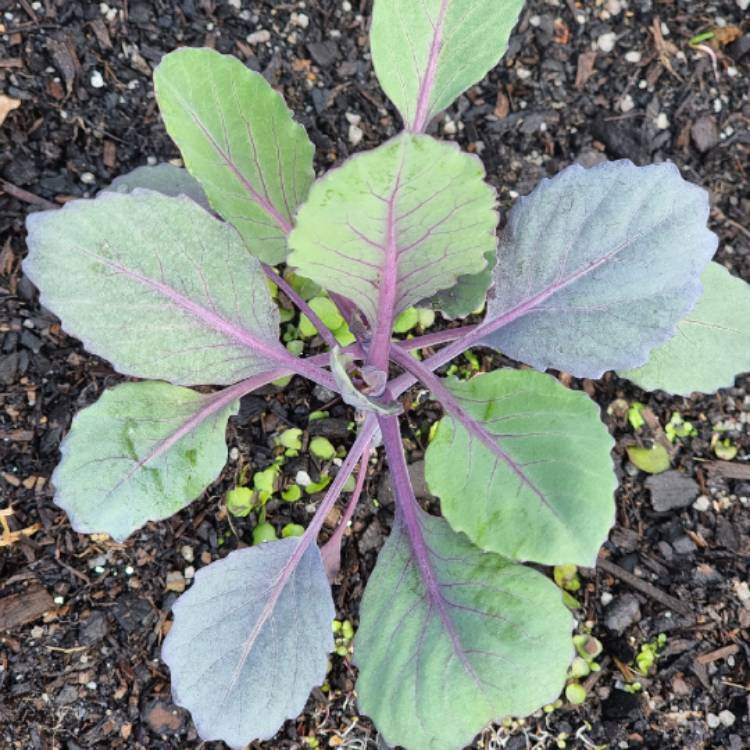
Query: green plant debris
{"x": 264, "y": 532}
{"x": 654, "y": 460}
{"x": 292, "y": 493}
{"x": 678, "y": 427}
{"x": 322, "y": 448}
{"x": 240, "y": 501}
{"x": 292, "y": 529}
{"x": 635, "y": 415}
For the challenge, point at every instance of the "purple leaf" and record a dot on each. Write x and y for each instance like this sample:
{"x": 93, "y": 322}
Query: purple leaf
{"x": 597, "y": 267}
{"x": 250, "y": 639}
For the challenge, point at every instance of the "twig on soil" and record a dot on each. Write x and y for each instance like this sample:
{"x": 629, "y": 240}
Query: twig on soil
{"x": 25, "y": 196}
{"x": 729, "y": 470}
{"x": 645, "y": 587}
{"x": 720, "y": 653}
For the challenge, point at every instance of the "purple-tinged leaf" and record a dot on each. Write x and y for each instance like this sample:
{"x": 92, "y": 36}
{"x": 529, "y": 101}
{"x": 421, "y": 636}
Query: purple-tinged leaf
{"x": 157, "y": 286}
{"x": 239, "y": 140}
{"x": 142, "y": 452}
{"x": 162, "y": 178}
{"x": 250, "y": 640}
{"x": 597, "y": 267}
{"x": 451, "y": 637}
{"x": 427, "y": 53}
{"x": 395, "y": 225}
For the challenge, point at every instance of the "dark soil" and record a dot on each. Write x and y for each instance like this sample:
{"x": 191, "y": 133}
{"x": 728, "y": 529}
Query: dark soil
{"x": 86, "y": 674}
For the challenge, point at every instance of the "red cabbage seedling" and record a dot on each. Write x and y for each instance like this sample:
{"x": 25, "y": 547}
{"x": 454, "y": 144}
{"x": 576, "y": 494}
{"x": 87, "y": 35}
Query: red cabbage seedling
{"x": 165, "y": 275}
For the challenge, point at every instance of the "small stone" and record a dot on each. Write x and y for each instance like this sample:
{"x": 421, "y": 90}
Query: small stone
{"x": 97, "y": 80}
{"x": 88, "y": 178}
{"x": 300, "y": 19}
{"x": 622, "y": 613}
{"x": 727, "y": 718}
{"x": 187, "y": 553}
{"x": 606, "y": 42}
{"x": 261, "y": 36}
{"x": 236, "y": 4}
{"x": 175, "y": 581}
{"x": 634, "y": 56}
{"x": 705, "y": 133}
{"x": 614, "y": 7}
{"x": 356, "y": 135}
{"x": 702, "y": 504}
{"x": 302, "y": 479}
{"x": 626, "y": 103}
{"x": 671, "y": 491}
{"x": 606, "y": 598}
{"x": 662, "y": 121}
{"x": 743, "y": 4}
{"x": 684, "y": 545}
{"x": 450, "y": 127}
{"x": 713, "y": 721}
{"x": 352, "y": 118}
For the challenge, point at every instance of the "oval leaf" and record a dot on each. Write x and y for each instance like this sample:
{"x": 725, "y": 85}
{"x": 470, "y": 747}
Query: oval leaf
{"x": 435, "y": 669}
{"x": 142, "y": 452}
{"x": 238, "y": 138}
{"x": 162, "y": 178}
{"x": 598, "y": 266}
{"x": 427, "y": 53}
{"x": 250, "y": 640}
{"x": 156, "y": 285}
{"x": 712, "y": 345}
{"x": 390, "y": 228}
{"x": 541, "y": 487}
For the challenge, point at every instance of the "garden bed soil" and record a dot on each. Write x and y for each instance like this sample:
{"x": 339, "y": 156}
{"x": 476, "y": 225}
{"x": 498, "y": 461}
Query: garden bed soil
{"x": 82, "y": 618}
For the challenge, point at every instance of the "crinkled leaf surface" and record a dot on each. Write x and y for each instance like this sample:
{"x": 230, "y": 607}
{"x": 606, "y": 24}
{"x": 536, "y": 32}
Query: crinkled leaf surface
{"x": 142, "y": 452}
{"x": 467, "y": 296}
{"x": 238, "y": 138}
{"x": 598, "y": 266}
{"x": 395, "y": 225}
{"x": 163, "y": 178}
{"x": 434, "y": 670}
{"x": 250, "y": 640}
{"x": 542, "y": 488}
{"x": 426, "y": 53}
{"x": 156, "y": 285}
{"x": 712, "y": 344}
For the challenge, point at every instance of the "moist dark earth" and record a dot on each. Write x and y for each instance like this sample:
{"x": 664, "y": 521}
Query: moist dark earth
{"x": 82, "y": 618}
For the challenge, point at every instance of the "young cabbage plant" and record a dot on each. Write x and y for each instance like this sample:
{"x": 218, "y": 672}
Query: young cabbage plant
{"x": 165, "y": 275}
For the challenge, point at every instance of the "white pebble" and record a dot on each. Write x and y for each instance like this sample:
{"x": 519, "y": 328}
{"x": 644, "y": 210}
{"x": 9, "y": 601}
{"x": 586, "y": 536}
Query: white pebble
{"x": 302, "y": 479}
{"x": 634, "y": 56}
{"x": 743, "y": 4}
{"x": 614, "y": 7}
{"x": 606, "y": 42}
{"x": 450, "y": 128}
{"x": 97, "y": 80}
{"x": 189, "y": 572}
{"x": 355, "y": 135}
{"x": 259, "y": 37}
{"x": 346, "y": 6}
{"x": 713, "y": 721}
{"x": 626, "y": 103}
{"x": 300, "y": 19}
{"x": 234, "y": 453}
{"x": 662, "y": 121}
{"x": 702, "y": 504}
{"x": 727, "y": 718}
{"x": 187, "y": 553}
{"x": 87, "y": 178}
{"x": 352, "y": 118}
{"x": 236, "y": 4}
{"x": 523, "y": 73}
{"x": 606, "y": 598}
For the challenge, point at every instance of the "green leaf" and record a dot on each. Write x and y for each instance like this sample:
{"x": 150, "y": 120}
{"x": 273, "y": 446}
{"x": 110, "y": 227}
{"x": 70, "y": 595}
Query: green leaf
{"x": 238, "y": 138}
{"x": 156, "y": 285}
{"x": 541, "y": 486}
{"x": 654, "y": 460}
{"x": 389, "y": 228}
{"x": 427, "y": 53}
{"x": 712, "y": 344}
{"x": 433, "y": 673}
{"x": 142, "y": 452}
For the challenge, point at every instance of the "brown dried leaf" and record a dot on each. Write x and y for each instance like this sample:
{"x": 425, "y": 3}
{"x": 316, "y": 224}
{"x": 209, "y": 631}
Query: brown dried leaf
{"x": 7, "y": 104}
